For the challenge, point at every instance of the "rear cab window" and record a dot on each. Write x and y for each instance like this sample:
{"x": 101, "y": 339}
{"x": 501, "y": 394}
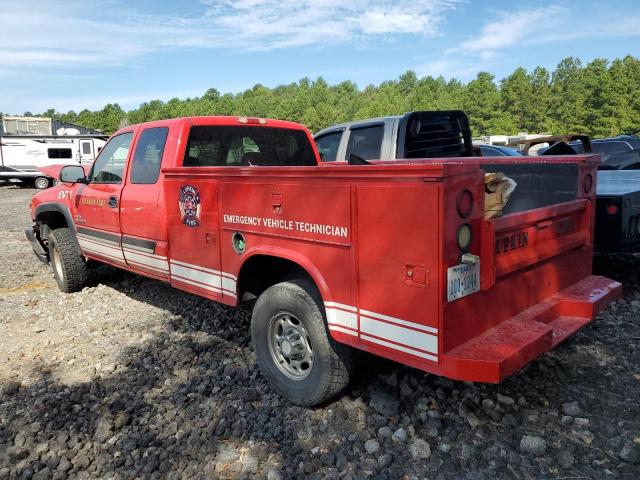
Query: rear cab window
{"x": 242, "y": 146}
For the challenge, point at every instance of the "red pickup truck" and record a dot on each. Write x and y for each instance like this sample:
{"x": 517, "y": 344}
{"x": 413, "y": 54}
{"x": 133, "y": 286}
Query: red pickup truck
{"x": 395, "y": 258}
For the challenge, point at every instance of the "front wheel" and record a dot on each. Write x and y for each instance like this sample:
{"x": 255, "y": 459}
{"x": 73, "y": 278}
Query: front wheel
{"x": 42, "y": 183}
{"x": 69, "y": 268}
{"x": 293, "y": 350}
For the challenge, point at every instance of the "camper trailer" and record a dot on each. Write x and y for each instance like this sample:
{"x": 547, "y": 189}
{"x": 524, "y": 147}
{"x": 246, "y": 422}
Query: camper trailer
{"x": 28, "y": 144}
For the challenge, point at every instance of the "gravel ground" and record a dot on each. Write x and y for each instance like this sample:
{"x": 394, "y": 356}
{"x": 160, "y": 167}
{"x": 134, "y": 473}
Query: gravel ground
{"x": 130, "y": 378}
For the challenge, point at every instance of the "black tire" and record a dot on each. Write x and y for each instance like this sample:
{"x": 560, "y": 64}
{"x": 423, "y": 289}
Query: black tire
{"x": 331, "y": 367}
{"x": 42, "y": 183}
{"x": 69, "y": 268}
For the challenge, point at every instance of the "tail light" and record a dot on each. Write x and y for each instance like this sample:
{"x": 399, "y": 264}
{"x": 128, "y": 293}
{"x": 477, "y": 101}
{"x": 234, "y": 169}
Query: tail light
{"x": 464, "y": 203}
{"x": 612, "y": 209}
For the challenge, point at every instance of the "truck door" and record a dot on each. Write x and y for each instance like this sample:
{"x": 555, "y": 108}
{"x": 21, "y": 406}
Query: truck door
{"x": 86, "y": 151}
{"x": 143, "y": 221}
{"x": 97, "y": 203}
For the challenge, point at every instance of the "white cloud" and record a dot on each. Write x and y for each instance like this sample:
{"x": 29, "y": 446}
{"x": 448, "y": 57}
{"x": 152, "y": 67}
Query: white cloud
{"x": 84, "y": 33}
{"x": 508, "y": 34}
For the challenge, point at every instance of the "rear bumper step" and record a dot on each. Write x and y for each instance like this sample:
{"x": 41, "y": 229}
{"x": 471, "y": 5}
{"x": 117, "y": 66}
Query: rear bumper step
{"x": 507, "y": 347}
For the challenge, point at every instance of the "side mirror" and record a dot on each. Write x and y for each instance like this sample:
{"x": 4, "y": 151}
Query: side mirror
{"x": 72, "y": 174}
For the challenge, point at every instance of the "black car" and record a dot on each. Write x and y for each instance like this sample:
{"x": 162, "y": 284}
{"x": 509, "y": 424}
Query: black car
{"x": 618, "y": 153}
{"x": 499, "y": 151}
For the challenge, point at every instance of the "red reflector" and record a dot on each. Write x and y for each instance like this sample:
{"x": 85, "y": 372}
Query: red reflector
{"x": 612, "y": 209}
{"x": 464, "y": 203}
{"x": 587, "y": 183}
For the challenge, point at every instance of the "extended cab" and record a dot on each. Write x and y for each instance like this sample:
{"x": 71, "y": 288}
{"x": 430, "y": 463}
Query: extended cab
{"x": 394, "y": 258}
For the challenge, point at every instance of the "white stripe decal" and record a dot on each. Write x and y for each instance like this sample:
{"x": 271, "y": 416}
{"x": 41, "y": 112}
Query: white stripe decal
{"x": 340, "y": 317}
{"x": 140, "y": 265}
{"x": 157, "y": 263}
{"x": 89, "y": 251}
{"x": 342, "y": 330}
{"x": 399, "y": 321}
{"x": 384, "y": 330}
{"x": 204, "y": 269}
{"x": 190, "y": 273}
{"x": 98, "y": 247}
{"x": 411, "y": 338}
{"x": 399, "y": 347}
{"x": 199, "y": 285}
{"x": 341, "y": 306}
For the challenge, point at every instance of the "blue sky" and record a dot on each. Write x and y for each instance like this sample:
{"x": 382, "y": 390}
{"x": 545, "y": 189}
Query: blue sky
{"x": 71, "y": 54}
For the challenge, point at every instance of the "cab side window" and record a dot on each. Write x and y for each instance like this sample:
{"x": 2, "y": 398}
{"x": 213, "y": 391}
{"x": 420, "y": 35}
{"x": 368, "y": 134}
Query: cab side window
{"x": 365, "y": 142}
{"x": 328, "y": 146}
{"x": 109, "y": 166}
{"x": 147, "y": 157}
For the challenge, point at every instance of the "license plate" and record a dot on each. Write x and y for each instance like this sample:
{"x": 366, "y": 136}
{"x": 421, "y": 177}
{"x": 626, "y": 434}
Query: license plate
{"x": 463, "y": 280}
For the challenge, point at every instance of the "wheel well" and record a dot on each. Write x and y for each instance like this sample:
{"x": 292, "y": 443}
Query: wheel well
{"x": 50, "y": 221}
{"x": 262, "y": 271}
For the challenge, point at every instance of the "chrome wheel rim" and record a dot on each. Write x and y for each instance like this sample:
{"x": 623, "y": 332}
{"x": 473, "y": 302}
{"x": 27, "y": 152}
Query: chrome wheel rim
{"x": 290, "y": 346}
{"x": 41, "y": 183}
{"x": 57, "y": 265}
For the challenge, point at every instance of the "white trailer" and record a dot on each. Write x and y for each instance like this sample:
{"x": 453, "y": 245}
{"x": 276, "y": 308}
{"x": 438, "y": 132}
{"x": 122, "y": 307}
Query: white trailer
{"x": 21, "y": 156}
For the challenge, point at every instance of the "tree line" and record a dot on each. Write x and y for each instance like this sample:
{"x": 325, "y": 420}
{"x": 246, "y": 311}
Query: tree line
{"x": 601, "y": 98}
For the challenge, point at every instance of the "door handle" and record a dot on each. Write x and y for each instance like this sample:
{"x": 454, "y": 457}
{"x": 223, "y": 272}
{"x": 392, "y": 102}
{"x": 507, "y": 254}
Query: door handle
{"x": 113, "y": 201}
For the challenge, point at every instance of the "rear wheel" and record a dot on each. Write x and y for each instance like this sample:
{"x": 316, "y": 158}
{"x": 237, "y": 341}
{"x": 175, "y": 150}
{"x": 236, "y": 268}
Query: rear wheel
{"x": 69, "y": 268}
{"x": 293, "y": 350}
{"x": 41, "y": 183}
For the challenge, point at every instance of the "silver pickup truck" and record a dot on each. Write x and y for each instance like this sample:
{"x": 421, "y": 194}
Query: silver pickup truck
{"x": 442, "y": 134}
{"x": 412, "y": 135}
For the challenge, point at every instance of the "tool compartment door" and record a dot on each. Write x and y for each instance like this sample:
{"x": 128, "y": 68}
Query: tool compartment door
{"x": 398, "y": 255}
{"x": 194, "y": 248}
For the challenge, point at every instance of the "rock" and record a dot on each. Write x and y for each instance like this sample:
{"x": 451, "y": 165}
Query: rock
{"x": 565, "y": 459}
{"x": 384, "y": 432}
{"x": 420, "y": 449}
{"x": 121, "y": 420}
{"x": 273, "y": 474}
{"x": 585, "y": 436}
{"x": 103, "y": 430}
{"x": 371, "y": 446}
{"x": 444, "y": 447}
{"x": 488, "y": 404}
{"x": 64, "y": 465}
{"x": 566, "y": 420}
{"x": 533, "y": 445}
{"x": 384, "y": 460}
{"x": 581, "y": 422}
{"x": 571, "y": 408}
{"x": 630, "y": 452}
{"x": 400, "y": 435}
{"x": 473, "y": 420}
{"x": 505, "y": 400}
{"x": 20, "y": 439}
{"x": 384, "y": 404}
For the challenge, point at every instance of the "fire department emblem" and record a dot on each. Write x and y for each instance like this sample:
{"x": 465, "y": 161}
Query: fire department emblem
{"x": 189, "y": 204}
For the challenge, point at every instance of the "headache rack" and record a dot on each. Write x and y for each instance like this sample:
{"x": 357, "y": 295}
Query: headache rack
{"x": 436, "y": 134}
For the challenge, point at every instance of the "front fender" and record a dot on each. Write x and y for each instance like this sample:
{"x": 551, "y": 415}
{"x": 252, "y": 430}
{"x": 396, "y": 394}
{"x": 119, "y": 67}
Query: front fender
{"x": 53, "y": 207}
